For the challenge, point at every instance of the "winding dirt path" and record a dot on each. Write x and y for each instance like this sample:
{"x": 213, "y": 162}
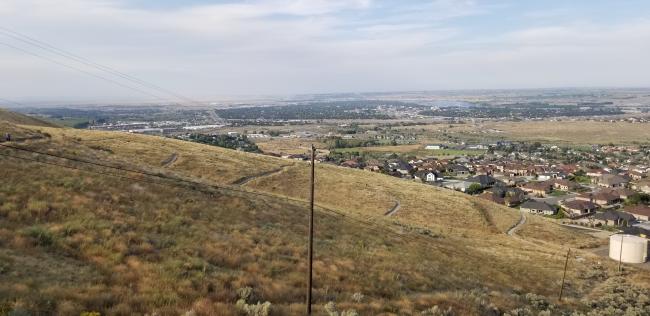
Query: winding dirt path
{"x": 246, "y": 179}
{"x": 170, "y": 161}
{"x": 394, "y": 209}
{"x": 517, "y": 226}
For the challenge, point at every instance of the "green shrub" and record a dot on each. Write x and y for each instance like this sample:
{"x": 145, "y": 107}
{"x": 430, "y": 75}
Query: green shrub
{"x": 40, "y": 235}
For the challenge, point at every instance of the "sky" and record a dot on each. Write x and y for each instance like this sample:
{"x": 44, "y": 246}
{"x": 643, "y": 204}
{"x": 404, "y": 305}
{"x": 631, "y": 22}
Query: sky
{"x": 206, "y": 50}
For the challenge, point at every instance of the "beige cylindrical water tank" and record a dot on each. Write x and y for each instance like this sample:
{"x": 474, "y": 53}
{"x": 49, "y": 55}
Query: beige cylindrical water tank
{"x": 628, "y": 248}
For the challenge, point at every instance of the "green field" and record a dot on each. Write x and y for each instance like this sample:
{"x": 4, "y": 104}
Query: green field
{"x": 68, "y": 122}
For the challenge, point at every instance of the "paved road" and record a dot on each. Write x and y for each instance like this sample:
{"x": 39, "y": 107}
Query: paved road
{"x": 517, "y": 226}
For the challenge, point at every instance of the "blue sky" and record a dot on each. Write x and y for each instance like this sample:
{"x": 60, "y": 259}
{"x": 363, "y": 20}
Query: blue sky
{"x": 213, "y": 49}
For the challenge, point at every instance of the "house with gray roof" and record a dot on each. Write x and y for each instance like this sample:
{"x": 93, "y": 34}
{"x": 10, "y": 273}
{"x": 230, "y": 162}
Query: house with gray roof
{"x": 538, "y": 207}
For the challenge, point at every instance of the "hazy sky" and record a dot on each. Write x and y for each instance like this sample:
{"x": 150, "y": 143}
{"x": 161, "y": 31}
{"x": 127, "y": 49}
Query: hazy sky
{"x": 209, "y": 49}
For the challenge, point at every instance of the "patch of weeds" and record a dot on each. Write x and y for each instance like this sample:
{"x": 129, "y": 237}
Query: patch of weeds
{"x": 41, "y": 236}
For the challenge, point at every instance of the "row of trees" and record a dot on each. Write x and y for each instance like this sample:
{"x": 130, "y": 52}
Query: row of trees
{"x": 238, "y": 142}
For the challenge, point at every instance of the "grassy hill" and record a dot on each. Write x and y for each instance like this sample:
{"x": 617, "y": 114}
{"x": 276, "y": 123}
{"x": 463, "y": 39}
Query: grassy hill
{"x": 20, "y": 119}
{"x": 128, "y": 224}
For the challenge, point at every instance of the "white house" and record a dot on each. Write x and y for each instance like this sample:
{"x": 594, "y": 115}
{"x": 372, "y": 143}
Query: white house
{"x": 428, "y": 176}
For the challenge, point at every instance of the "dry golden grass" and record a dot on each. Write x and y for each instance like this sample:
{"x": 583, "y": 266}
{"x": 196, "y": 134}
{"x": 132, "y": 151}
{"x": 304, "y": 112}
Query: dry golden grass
{"x": 555, "y": 132}
{"x": 372, "y": 194}
{"x": 143, "y": 247}
{"x": 283, "y": 146}
{"x": 582, "y": 132}
{"x": 199, "y": 161}
{"x": 570, "y": 132}
{"x": 15, "y": 118}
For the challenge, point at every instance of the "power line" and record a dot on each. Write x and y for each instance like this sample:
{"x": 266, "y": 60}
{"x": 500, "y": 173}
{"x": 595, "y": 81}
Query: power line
{"x": 417, "y": 238}
{"x": 85, "y": 61}
{"x": 331, "y": 213}
{"x": 82, "y": 71}
{"x": 193, "y": 185}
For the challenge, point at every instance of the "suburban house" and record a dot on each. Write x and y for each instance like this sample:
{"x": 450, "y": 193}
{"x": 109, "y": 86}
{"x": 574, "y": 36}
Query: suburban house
{"x": 643, "y": 186}
{"x": 596, "y": 173}
{"x": 350, "y": 164}
{"x": 458, "y": 170}
{"x": 635, "y": 175}
{"x": 612, "y": 181}
{"x": 296, "y": 157}
{"x": 605, "y": 198}
{"x": 550, "y": 175}
{"x": 479, "y": 170}
{"x": 505, "y": 195}
{"x": 399, "y": 167}
{"x": 373, "y": 166}
{"x": 458, "y": 185}
{"x": 614, "y": 218}
{"x": 537, "y": 207}
{"x": 492, "y": 197}
{"x": 427, "y": 176}
{"x": 622, "y": 193}
{"x": 578, "y": 207}
{"x": 641, "y": 212}
{"x": 514, "y": 181}
{"x": 539, "y": 189}
{"x": 484, "y": 180}
{"x": 564, "y": 185}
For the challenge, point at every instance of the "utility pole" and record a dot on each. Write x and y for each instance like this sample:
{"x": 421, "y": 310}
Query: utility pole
{"x": 620, "y": 255}
{"x": 566, "y": 263}
{"x": 310, "y": 252}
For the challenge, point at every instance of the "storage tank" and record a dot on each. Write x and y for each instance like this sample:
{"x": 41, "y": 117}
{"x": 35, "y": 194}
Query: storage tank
{"x": 628, "y": 248}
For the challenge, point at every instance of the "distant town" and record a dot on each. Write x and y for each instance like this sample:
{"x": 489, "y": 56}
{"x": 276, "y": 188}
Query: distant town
{"x": 453, "y": 140}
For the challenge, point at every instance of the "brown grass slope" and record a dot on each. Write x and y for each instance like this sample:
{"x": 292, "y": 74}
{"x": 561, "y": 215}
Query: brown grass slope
{"x": 21, "y": 119}
{"x": 80, "y": 237}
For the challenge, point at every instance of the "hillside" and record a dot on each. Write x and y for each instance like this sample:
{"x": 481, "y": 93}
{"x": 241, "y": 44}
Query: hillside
{"x": 130, "y": 224}
{"x": 20, "y": 119}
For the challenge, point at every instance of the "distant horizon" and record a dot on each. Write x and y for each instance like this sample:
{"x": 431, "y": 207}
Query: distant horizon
{"x": 13, "y": 104}
{"x": 138, "y": 50}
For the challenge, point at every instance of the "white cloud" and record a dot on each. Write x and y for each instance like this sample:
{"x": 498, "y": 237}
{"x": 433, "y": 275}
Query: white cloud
{"x": 284, "y": 46}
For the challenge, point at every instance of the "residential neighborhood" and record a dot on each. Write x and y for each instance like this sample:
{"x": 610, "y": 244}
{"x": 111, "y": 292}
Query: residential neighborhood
{"x": 604, "y": 187}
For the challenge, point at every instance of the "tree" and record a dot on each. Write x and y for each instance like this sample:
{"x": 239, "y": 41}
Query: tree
{"x": 474, "y": 188}
{"x": 638, "y": 198}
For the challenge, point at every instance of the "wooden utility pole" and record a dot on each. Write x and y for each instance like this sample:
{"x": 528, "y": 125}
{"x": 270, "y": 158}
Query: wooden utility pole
{"x": 620, "y": 254}
{"x": 566, "y": 263}
{"x": 310, "y": 252}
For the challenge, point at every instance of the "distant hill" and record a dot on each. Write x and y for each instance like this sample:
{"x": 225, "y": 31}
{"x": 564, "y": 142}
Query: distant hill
{"x": 127, "y": 224}
{"x": 21, "y": 119}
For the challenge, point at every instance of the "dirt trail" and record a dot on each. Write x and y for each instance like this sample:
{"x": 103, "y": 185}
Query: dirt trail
{"x": 517, "y": 226}
{"x": 247, "y": 179}
{"x": 170, "y": 161}
{"x": 394, "y": 209}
